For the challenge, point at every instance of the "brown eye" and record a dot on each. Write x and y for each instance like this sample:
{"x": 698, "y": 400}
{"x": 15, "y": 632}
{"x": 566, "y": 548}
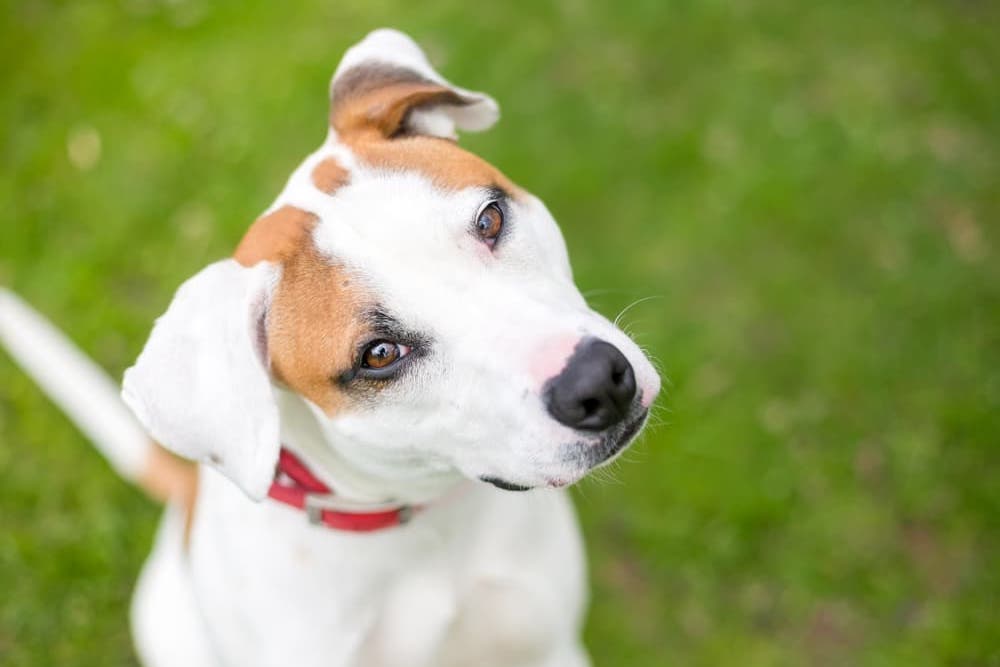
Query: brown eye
{"x": 490, "y": 223}
{"x": 382, "y": 354}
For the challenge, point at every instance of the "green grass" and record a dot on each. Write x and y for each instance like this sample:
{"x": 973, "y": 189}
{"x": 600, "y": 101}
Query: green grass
{"x": 812, "y": 190}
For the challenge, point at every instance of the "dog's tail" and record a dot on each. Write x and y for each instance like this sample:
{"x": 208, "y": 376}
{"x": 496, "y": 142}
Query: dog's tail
{"x": 90, "y": 398}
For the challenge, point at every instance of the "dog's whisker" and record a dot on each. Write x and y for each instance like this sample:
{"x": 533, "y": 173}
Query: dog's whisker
{"x": 634, "y": 304}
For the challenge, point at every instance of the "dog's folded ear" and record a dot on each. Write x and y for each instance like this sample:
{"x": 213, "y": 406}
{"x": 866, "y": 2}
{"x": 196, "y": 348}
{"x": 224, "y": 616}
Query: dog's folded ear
{"x": 201, "y": 387}
{"x": 385, "y": 84}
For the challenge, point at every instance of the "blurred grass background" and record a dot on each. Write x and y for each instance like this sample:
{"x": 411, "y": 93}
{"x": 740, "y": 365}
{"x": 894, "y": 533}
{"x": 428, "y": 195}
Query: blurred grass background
{"x": 812, "y": 191}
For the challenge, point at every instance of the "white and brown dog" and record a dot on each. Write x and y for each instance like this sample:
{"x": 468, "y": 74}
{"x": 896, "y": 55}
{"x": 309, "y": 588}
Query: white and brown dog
{"x": 400, "y": 338}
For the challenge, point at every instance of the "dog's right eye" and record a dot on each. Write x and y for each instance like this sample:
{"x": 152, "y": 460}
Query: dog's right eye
{"x": 382, "y": 354}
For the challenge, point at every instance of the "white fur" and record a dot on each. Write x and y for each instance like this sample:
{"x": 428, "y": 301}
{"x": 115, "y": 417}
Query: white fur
{"x": 165, "y": 591}
{"x": 200, "y": 385}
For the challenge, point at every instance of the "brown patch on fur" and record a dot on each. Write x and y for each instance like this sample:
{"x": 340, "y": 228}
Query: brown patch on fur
{"x": 369, "y": 108}
{"x": 328, "y": 176}
{"x": 169, "y": 478}
{"x": 311, "y": 328}
{"x": 312, "y": 322}
{"x": 275, "y": 236}
{"x": 442, "y": 161}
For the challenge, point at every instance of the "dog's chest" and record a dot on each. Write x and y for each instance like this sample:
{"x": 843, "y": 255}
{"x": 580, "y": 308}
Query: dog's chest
{"x": 446, "y": 589}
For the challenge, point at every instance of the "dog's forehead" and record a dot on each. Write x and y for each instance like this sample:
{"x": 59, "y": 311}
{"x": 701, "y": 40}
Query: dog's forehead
{"x": 385, "y": 213}
{"x": 401, "y": 181}
{"x": 398, "y": 197}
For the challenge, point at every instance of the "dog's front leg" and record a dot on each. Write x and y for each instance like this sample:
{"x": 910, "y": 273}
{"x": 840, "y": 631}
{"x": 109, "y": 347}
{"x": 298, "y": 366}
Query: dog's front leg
{"x": 411, "y": 626}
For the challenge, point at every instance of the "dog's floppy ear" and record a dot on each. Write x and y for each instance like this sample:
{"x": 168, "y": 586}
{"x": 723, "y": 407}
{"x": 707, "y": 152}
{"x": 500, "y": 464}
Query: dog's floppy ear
{"x": 385, "y": 84}
{"x": 201, "y": 387}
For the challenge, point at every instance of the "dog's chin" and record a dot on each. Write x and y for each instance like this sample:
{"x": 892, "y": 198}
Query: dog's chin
{"x": 584, "y": 456}
{"x": 614, "y": 443}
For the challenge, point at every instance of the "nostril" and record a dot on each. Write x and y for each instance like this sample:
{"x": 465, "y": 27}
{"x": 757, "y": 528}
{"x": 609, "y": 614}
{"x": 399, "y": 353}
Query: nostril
{"x": 624, "y": 384}
{"x": 590, "y": 406}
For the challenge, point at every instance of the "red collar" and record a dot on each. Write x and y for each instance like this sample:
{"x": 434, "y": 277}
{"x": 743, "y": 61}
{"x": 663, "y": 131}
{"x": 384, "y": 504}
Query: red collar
{"x": 295, "y": 485}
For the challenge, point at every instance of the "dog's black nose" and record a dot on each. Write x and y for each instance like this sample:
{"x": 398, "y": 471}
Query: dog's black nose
{"x": 595, "y": 389}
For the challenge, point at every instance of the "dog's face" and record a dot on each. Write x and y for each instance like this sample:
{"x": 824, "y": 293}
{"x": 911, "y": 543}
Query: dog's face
{"x": 419, "y": 301}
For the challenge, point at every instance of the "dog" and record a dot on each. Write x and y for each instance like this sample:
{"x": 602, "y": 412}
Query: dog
{"x": 385, "y": 391}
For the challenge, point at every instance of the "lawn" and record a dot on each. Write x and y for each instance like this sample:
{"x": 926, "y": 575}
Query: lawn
{"x": 809, "y": 191}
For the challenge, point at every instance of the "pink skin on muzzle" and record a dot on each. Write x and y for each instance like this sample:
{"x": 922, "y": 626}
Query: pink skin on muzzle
{"x": 649, "y": 392}
{"x": 549, "y": 359}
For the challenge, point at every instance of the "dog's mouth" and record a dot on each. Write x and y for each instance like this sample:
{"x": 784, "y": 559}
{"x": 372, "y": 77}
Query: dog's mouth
{"x": 503, "y": 484}
{"x": 586, "y": 456}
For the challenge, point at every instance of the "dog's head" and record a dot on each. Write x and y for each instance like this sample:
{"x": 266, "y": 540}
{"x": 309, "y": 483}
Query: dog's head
{"x": 419, "y": 302}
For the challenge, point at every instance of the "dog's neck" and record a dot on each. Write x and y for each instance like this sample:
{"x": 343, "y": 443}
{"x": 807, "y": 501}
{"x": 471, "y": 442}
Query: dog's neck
{"x": 331, "y": 460}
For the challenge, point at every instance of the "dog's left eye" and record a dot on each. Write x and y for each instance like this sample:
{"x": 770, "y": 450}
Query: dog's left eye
{"x": 382, "y": 354}
{"x": 489, "y": 223}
